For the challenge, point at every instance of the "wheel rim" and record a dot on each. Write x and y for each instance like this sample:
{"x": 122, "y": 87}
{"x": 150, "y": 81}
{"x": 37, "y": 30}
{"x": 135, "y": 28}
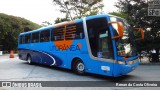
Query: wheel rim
{"x": 80, "y": 67}
{"x": 29, "y": 60}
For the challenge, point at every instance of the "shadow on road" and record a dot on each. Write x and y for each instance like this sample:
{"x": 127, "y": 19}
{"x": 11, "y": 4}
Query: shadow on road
{"x": 113, "y": 79}
{"x": 96, "y": 76}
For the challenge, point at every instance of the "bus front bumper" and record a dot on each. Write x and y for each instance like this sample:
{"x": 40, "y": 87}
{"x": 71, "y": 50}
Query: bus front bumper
{"x": 123, "y": 69}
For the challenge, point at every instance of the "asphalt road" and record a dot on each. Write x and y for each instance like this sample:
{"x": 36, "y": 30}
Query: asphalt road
{"x": 18, "y": 70}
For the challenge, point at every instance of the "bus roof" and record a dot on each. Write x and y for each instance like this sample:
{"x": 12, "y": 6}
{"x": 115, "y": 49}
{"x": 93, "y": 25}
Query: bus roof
{"x": 114, "y": 16}
{"x": 37, "y": 30}
{"x": 67, "y": 22}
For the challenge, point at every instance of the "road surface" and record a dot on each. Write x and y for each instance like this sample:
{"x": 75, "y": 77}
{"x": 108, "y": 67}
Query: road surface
{"x": 18, "y": 70}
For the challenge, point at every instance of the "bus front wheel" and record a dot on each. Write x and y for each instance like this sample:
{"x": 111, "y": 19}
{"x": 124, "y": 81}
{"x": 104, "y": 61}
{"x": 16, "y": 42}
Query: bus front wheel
{"x": 29, "y": 60}
{"x": 79, "y": 67}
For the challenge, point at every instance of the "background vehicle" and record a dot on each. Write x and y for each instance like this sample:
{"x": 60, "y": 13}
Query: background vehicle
{"x": 100, "y": 44}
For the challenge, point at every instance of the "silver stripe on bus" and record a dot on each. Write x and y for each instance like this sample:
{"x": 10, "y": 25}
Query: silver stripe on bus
{"x": 54, "y": 61}
{"x": 88, "y": 45}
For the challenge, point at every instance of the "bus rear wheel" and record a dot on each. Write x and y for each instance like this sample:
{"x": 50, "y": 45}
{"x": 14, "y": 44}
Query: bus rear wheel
{"x": 29, "y": 60}
{"x": 79, "y": 67}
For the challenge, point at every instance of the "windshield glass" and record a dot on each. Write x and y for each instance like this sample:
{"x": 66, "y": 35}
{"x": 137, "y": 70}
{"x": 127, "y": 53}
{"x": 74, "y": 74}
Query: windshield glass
{"x": 125, "y": 45}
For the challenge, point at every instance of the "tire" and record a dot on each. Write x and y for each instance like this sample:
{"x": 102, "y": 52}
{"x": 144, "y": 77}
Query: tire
{"x": 79, "y": 67}
{"x": 29, "y": 60}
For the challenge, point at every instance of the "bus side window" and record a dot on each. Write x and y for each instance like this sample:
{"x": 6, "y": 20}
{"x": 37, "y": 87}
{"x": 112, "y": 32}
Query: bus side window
{"x": 74, "y": 31}
{"x": 27, "y": 38}
{"x": 79, "y": 31}
{"x": 58, "y": 33}
{"x": 21, "y": 39}
{"x": 70, "y": 33}
{"x": 35, "y": 37}
{"x": 45, "y": 36}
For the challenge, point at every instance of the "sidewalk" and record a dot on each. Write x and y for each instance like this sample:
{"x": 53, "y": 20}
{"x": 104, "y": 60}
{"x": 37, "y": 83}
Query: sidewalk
{"x": 5, "y": 57}
{"x": 145, "y": 61}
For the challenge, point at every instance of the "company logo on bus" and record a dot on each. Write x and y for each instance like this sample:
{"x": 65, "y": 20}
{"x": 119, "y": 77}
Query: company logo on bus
{"x": 67, "y": 45}
{"x": 61, "y": 45}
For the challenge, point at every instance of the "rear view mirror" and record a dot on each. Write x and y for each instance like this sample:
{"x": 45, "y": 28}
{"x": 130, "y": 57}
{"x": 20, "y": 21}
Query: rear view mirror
{"x": 120, "y": 29}
{"x": 141, "y": 31}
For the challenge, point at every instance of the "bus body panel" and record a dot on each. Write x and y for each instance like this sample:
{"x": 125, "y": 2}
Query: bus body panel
{"x": 40, "y": 57}
{"x": 98, "y": 67}
{"x": 120, "y": 70}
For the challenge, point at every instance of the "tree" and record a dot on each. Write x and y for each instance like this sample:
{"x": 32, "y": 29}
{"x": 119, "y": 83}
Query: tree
{"x": 137, "y": 11}
{"x": 78, "y": 8}
{"x": 10, "y": 28}
{"x": 58, "y": 20}
{"x": 119, "y": 14}
{"x": 45, "y": 24}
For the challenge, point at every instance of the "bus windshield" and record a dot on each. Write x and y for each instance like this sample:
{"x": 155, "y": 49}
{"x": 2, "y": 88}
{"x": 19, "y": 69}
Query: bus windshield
{"x": 125, "y": 45}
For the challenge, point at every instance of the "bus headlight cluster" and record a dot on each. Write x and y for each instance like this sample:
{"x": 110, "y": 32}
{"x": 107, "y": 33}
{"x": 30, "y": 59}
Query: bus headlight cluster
{"x": 132, "y": 62}
{"x": 120, "y": 62}
{"x": 127, "y": 63}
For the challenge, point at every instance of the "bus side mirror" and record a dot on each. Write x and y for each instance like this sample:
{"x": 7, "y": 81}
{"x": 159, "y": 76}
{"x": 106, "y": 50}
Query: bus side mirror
{"x": 120, "y": 29}
{"x": 142, "y": 32}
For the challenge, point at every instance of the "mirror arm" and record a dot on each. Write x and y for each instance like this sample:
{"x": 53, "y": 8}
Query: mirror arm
{"x": 120, "y": 29}
{"x": 142, "y": 32}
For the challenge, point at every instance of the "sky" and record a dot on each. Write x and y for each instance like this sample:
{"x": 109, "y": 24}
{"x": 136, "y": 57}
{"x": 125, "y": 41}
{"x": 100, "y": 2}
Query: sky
{"x": 39, "y": 11}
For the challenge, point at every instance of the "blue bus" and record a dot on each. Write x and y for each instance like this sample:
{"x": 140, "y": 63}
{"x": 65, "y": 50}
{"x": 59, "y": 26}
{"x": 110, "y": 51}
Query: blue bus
{"x": 100, "y": 44}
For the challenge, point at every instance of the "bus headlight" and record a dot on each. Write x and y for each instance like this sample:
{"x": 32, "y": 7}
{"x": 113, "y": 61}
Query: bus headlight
{"x": 132, "y": 62}
{"x": 120, "y": 62}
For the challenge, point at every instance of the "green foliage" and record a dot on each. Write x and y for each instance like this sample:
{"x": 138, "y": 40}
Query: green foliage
{"x": 74, "y": 9}
{"x": 45, "y": 24}
{"x": 119, "y": 14}
{"x": 10, "y": 28}
{"x": 58, "y": 20}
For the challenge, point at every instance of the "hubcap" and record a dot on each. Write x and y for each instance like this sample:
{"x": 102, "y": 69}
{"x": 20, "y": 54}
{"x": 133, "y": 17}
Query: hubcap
{"x": 80, "y": 67}
{"x": 29, "y": 60}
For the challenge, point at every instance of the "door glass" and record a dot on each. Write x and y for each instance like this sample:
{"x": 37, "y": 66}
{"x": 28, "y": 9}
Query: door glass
{"x": 99, "y": 38}
{"x": 104, "y": 46}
